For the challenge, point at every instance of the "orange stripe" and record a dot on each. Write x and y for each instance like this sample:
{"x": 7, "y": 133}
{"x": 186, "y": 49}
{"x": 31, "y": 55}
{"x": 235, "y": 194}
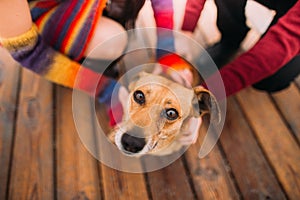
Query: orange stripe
{"x": 97, "y": 18}
{"x": 66, "y": 44}
{"x": 78, "y": 23}
{"x": 41, "y": 22}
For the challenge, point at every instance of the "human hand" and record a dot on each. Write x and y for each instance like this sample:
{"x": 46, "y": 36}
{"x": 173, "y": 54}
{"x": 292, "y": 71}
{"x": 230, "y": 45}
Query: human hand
{"x": 176, "y": 67}
{"x": 188, "y": 34}
{"x": 190, "y": 136}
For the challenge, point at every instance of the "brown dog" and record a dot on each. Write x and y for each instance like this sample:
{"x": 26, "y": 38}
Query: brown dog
{"x": 158, "y": 111}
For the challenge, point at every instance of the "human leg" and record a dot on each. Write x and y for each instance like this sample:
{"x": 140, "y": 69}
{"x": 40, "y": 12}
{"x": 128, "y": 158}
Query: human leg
{"x": 231, "y": 22}
{"x": 282, "y": 78}
{"x": 107, "y": 44}
{"x": 108, "y": 41}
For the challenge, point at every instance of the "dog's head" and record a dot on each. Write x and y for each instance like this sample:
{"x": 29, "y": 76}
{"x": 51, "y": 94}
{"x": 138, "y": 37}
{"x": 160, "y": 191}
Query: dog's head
{"x": 158, "y": 110}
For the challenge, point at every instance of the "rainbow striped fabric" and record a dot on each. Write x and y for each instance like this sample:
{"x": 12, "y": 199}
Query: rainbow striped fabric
{"x": 30, "y": 50}
{"x": 67, "y": 26}
{"x": 59, "y": 37}
{"x": 163, "y": 13}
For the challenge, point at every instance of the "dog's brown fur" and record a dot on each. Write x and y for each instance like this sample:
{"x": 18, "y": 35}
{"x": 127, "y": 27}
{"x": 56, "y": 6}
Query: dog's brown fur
{"x": 147, "y": 121}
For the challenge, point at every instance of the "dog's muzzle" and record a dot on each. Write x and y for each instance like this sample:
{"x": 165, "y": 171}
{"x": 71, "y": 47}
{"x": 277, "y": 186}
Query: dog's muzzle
{"x": 131, "y": 141}
{"x": 132, "y": 144}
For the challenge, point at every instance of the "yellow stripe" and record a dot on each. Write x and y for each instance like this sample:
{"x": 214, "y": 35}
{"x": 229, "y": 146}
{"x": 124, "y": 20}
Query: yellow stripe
{"x": 21, "y": 42}
{"x": 63, "y": 71}
{"x": 80, "y": 23}
{"x": 32, "y": 4}
{"x": 45, "y": 19}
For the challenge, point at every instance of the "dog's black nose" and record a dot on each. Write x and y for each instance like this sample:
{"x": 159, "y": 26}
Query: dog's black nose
{"x": 132, "y": 144}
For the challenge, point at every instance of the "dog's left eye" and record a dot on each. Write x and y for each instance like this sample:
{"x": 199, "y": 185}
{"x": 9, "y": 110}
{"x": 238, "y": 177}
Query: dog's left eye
{"x": 139, "y": 97}
{"x": 171, "y": 114}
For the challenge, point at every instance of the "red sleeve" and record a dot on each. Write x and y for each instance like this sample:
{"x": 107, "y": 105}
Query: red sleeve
{"x": 280, "y": 44}
{"x": 193, "y": 10}
{"x": 163, "y": 13}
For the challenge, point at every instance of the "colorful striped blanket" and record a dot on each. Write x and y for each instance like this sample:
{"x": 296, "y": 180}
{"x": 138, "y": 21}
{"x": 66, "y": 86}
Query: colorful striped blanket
{"x": 67, "y": 26}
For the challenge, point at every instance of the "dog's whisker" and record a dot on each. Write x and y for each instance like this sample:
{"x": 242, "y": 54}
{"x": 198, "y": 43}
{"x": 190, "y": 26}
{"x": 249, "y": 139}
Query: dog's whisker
{"x": 155, "y": 144}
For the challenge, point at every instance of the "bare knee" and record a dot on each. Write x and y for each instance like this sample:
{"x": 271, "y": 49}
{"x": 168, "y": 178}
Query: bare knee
{"x": 109, "y": 40}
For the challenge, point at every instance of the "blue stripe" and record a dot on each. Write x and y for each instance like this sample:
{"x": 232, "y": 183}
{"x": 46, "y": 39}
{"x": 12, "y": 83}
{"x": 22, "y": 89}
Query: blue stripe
{"x": 73, "y": 15}
{"x": 81, "y": 39}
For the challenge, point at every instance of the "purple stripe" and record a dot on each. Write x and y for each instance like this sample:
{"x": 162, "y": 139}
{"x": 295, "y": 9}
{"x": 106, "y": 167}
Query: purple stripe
{"x": 48, "y": 32}
{"x": 37, "y": 12}
{"x": 37, "y": 59}
{"x": 162, "y": 5}
{"x": 62, "y": 35}
{"x": 81, "y": 39}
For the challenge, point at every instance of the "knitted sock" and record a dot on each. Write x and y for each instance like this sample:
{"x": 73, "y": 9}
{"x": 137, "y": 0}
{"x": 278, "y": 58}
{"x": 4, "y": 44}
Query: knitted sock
{"x": 33, "y": 53}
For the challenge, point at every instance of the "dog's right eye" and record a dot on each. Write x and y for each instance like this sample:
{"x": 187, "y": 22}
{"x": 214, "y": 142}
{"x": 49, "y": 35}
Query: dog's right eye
{"x": 171, "y": 114}
{"x": 139, "y": 97}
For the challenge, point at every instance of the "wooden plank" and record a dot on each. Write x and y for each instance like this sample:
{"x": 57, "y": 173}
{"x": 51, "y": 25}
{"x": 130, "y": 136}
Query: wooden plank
{"x": 9, "y": 80}
{"x": 77, "y": 172}
{"x": 32, "y": 164}
{"x": 288, "y": 101}
{"x": 249, "y": 166}
{"x": 276, "y": 140}
{"x": 170, "y": 182}
{"x": 117, "y": 184}
{"x": 210, "y": 174}
{"x": 120, "y": 185}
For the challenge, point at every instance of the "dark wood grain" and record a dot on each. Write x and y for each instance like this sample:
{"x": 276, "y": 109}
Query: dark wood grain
{"x": 121, "y": 185}
{"x": 253, "y": 174}
{"x": 117, "y": 184}
{"x": 77, "y": 172}
{"x": 9, "y": 79}
{"x": 170, "y": 182}
{"x": 275, "y": 138}
{"x": 288, "y": 102}
{"x": 210, "y": 175}
{"x": 32, "y": 161}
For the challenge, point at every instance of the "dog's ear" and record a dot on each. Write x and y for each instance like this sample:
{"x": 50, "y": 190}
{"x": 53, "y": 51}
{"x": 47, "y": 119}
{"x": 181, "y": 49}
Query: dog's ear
{"x": 205, "y": 102}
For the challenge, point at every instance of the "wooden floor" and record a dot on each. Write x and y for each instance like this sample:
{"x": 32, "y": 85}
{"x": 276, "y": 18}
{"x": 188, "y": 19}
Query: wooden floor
{"x": 41, "y": 156}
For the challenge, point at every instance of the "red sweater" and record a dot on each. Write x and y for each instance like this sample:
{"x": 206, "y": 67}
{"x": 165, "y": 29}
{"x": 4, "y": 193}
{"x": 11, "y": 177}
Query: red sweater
{"x": 279, "y": 45}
